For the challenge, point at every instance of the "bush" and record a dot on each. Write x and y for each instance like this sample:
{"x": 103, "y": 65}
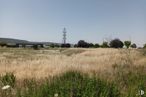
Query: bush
{"x": 133, "y": 45}
{"x": 65, "y": 45}
{"x": 35, "y": 47}
{"x": 2, "y": 44}
{"x": 127, "y": 43}
{"x": 105, "y": 45}
{"x": 91, "y": 45}
{"x": 54, "y": 45}
{"x": 96, "y": 45}
{"x": 75, "y": 84}
{"x": 75, "y": 45}
{"x": 144, "y": 46}
{"x": 116, "y": 43}
{"x": 82, "y": 44}
{"x": 8, "y": 79}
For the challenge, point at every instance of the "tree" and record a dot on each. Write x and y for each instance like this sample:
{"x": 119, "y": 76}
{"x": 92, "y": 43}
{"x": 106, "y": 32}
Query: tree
{"x": 2, "y": 44}
{"x": 56, "y": 45}
{"x": 105, "y": 45}
{"x": 42, "y": 46}
{"x": 66, "y": 45}
{"x": 116, "y": 43}
{"x": 133, "y": 45}
{"x": 75, "y": 45}
{"x": 52, "y": 45}
{"x": 127, "y": 43}
{"x": 83, "y": 44}
{"x": 35, "y": 47}
{"x": 144, "y": 46}
{"x": 96, "y": 45}
{"x": 91, "y": 45}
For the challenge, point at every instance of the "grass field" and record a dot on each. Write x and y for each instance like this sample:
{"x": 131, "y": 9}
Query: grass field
{"x": 121, "y": 72}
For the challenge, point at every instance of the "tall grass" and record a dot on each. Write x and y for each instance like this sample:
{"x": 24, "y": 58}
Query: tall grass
{"x": 92, "y": 72}
{"x": 70, "y": 84}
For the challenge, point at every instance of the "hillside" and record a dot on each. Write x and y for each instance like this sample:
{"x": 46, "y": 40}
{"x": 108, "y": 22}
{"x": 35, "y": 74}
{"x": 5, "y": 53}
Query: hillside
{"x": 11, "y": 40}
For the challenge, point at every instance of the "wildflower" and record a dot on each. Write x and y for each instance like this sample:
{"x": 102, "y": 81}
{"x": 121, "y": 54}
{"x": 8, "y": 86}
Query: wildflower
{"x": 56, "y": 95}
{"x": 141, "y": 92}
{"x": 6, "y": 87}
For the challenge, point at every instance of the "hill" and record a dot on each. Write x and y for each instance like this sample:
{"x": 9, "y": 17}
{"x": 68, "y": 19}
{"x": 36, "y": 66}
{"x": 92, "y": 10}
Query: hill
{"x": 19, "y": 41}
{"x": 10, "y": 40}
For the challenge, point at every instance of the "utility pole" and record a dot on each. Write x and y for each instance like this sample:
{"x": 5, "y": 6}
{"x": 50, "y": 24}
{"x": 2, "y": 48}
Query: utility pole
{"x": 64, "y": 36}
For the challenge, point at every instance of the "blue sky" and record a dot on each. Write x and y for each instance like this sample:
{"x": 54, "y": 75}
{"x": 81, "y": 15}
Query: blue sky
{"x": 90, "y": 20}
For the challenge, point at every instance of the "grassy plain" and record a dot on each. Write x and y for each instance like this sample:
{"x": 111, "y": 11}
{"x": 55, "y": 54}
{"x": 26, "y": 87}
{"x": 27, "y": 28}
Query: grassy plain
{"x": 125, "y": 68}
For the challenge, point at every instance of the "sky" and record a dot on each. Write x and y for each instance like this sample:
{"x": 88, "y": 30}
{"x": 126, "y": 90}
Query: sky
{"x": 89, "y": 20}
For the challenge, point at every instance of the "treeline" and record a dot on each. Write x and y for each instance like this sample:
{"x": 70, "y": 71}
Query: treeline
{"x": 115, "y": 43}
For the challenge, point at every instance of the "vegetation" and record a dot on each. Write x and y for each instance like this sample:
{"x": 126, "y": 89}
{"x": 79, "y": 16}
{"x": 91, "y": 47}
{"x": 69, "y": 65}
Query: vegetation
{"x": 66, "y": 45}
{"x": 144, "y": 46}
{"x": 116, "y": 43}
{"x": 71, "y": 84}
{"x": 133, "y": 45}
{"x": 2, "y": 44}
{"x": 8, "y": 79}
{"x": 105, "y": 45}
{"x": 82, "y": 44}
{"x": 35, "y": 47}
{"x": 96, "y": 45}
{"x": 127, "y": 43}
{"x": 72, "y": 72}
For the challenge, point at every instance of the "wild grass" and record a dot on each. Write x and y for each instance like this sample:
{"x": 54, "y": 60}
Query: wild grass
{"x": 39, "y": 73}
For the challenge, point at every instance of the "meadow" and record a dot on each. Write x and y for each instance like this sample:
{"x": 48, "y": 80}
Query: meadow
{"x": 73, "y": 72}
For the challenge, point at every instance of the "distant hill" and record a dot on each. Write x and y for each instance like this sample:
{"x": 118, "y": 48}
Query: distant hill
{"x": 15, "y": 41}
{"x": 10, "y": 40}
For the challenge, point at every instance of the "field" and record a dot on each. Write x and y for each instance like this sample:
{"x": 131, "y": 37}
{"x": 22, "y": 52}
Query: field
{"x": 33, "y": 73}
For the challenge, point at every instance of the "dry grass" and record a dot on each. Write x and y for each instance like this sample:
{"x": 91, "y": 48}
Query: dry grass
{"x": 27, "y": 63}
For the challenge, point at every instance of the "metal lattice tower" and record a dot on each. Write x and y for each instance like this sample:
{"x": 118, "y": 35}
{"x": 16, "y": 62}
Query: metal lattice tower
{"x": 64, "y": 36}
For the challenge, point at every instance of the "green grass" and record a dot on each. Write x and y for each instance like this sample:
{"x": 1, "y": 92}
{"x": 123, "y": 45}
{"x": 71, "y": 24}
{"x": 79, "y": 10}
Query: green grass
{"x": 126, "y": 83}
{"x": 70, "y": 84}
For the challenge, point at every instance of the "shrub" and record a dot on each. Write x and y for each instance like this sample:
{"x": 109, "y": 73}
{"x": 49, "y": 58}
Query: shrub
{"x": 75, "y": 84}
{"x": 52, "y": 45}
{"x": 75, "y": 45}
{"x": 35, "y": 47}
{"x": 144, "y": 46}
{"x": 127, "y": 43}
{"x": 96, "y": 45}
{"x": 56, "y": 45}
{"x": 105, "y": 45}
{"x": 66, "y": 45}
{"x": 91, "y": 45}
{"x": 2, "y": 44}
{"x": 133, "y": 45}
{"x": 8, "y": 79}
{"x": 116, "y": 43}
{"x": 42, "y": 46}
{"x": 82, "y": 44}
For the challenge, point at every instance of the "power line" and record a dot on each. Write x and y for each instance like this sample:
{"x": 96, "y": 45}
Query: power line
{"x": 64, "y": 36}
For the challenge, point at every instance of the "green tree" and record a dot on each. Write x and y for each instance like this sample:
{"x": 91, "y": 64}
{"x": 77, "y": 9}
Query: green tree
{"x": 105, "y": 45}
{"x": 82, "y": 44}
{"x": 144, "y": 46}
{"x": 127, "y": 43}
{"x": 2, "y": 44}
{"x": 96, "y": 45}
{"x": 91, "y": 45}
{"x": 35, "y": 47}
{"x": 133, "y": 45}
{"x": 116, "y": 43}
